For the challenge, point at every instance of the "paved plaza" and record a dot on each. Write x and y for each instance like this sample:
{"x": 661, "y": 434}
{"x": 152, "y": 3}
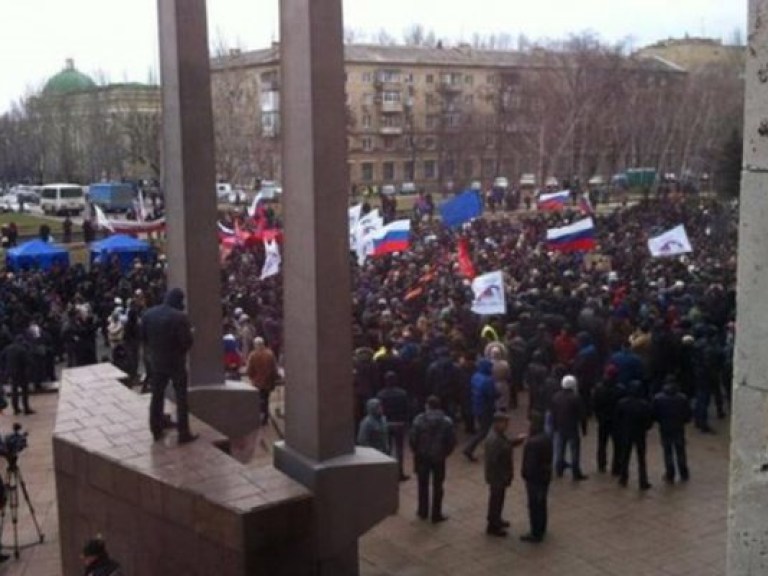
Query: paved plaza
{"x": 596, "y": 527}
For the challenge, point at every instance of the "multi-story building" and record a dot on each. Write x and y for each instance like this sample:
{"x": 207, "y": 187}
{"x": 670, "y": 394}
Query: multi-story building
{"x": 442, "y": 117}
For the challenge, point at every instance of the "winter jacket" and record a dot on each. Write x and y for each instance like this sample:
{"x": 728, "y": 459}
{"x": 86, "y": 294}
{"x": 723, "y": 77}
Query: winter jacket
{"x": 567, "y": 412}
{"x": 483, "y": 390}
{"x": 671, "y": 410}
{"x": 373, "y": 430}
{"x": 432, "y": 437}
{"x": 167, "y": 334}
{"x": 394, "y": 401}
{"x": 498, "y": 459}
{"x": 537, "y": 459}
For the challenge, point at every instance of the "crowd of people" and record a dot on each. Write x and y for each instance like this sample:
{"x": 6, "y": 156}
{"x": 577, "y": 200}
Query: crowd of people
{"x": 614, "y": 337}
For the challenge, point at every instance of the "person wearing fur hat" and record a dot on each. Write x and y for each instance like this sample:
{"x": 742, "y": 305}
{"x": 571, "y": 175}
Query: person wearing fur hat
{"x": 567, "y": 412}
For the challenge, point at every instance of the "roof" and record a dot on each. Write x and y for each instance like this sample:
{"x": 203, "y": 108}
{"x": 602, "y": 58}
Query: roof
{"x": 68, "y": 80}
{"x": 458, "y": 56}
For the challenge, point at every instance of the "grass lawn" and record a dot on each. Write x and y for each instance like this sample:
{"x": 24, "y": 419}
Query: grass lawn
{"x": 29, "y": 224}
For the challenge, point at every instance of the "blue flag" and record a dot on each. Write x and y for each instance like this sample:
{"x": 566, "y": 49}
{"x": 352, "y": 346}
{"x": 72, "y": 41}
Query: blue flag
{"x": 463, "y": 208}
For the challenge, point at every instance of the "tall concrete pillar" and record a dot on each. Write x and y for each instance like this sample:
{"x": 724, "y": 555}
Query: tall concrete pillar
{"x": 748, "y": 498}
{"x": 189, "y": 178}
{"x": 319, "y": 442}
{"x": 189, "y": 183}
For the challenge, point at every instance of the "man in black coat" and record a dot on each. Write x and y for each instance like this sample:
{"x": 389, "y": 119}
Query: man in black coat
{"x": 167, "y": 337}
{"x": 17, "y": 367}
{"x": 634, "y": 416}
{"x": 605, "y": 399}
{"x": 432, "y": 440}
{"x": 567, "y": 413}
{"x": 537, "y": 473}
{"x": 394, "y": 401}
{"x": 672, "y": 411}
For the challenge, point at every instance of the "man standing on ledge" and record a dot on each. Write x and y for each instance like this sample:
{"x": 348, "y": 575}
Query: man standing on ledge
{"x": 167, "y": 337}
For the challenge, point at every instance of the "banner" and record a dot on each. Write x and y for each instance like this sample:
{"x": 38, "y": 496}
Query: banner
{"x": 367, "y": 228}
{"x": 272, "y": 260}
{"x": 466, "y": 267}
{"x": 671, "y": 243}
{"x": 354, "y": 219}
{"x": 489, "y": 294}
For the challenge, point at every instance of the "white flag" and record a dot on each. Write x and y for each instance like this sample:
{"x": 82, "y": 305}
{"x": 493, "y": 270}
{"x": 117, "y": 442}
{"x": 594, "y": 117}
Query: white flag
{"x": 367, "y": 228}
{"x": 272, "y": 260}
{"x": 671, "y": 243}
{"x": 489, "y": 294}
{"x": 354, "y": 218}
{"x": 101, "y": 219}
{"x": 255, "y": 204}
{"x": 141, "y": 212}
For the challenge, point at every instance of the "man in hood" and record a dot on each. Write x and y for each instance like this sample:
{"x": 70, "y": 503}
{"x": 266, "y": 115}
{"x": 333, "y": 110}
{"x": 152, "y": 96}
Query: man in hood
{"x": 483, "y": 405}
{"x": 432, "y": 440}
{"x": 167, "y": 337}
{"x": 373, "y": 430}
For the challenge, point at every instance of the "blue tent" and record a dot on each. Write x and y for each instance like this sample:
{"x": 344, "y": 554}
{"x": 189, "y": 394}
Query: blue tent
{"x": 125, "y": 247}
{"x": 36, "y": 254}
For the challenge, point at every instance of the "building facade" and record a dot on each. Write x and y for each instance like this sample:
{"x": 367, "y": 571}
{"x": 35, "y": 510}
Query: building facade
{"x": 442, "y": 118}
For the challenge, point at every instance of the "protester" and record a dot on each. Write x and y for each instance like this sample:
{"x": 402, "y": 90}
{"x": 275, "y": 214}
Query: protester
{"x": 673, "y": 411}
{"x": 635, "y": 417}
{"x": 374, "y": 432}
{"x": 263, "y": 373}
{"x": 97, "y": 561}
{"x": 567, "y": 413}
{"x": 537, "y": 473}
{"x": 499, "y": 469}
{"x": 394, "y": 402}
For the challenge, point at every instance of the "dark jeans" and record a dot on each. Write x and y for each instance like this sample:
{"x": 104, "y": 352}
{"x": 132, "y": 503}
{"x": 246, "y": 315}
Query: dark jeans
{"x": 19, "y": 387}
{"x": 638, "y": 443}
{"x": 264, "y": 406}
{"x": 426, "y": 470}
{"x": 574, "y": 442}
{"x": 537, "y": 508}
{"x": 701, "y": 406}
{"x": 159, "y": 382}
{"x": 496, "y": 495}
{"x": 673, "y": 445}
{"x": 397, "y": 443}
{"x": 484, "y": 423}
{"x": 606, "y": 432}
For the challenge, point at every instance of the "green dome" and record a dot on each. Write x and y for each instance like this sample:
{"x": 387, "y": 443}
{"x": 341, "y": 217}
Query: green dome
{"x": 68, "y": 80}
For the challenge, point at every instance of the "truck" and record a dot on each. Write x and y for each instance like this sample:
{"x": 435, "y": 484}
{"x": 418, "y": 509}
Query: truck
{"x": 112, "y": 196}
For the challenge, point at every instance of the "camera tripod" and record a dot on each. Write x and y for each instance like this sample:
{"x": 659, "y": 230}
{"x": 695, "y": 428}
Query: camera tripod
{"x": 13, "y": 481}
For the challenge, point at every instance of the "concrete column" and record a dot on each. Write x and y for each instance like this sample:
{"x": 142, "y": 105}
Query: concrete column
{"x": 319, "y": 443}
{"x": 748, "y": 498}
{"x": 189, "y": 178}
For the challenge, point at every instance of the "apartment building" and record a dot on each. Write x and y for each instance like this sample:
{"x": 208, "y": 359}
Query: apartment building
{"x": 437, "y": 117}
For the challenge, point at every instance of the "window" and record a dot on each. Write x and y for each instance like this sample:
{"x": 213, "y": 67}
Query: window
{"x": 367, "y": 143}
{"x": 469, "y": 168}
{"x": 390, "y": 142}
{"x": 408, "y": 171}
{"x": 409, "y": 78}
{"x": 366, "y": 121}
{"x": 468, "y": 80}
{"x": 388, "y": 169}
{"x": 390, "y": 97}
{"x": 430, "y": 171}
{"x": 367, "y": 77}
{"x": 432, "y": 121}
{"x": 391, "y": 121}
{"x": 430, "y": 79}
{"x": 366, "y": 171}
{"x": 389, "y": 76}
{"x": 453, "y": 120}
{"x": 449, "y": 167}
{"x": 270, "y": 124}
{"x": 368, "y": 99}
{"x": 430, "y": 99}
{"x": 489, "y": 167}
{"x": 490, "y": 79}
{"x": 430, "y": 143}
{"x": 469, "y": 99}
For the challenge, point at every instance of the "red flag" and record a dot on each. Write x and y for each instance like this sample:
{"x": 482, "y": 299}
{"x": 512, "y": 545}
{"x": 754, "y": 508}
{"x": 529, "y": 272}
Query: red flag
{"x": 466, "y": 267}
{"x": 241, "y": 235}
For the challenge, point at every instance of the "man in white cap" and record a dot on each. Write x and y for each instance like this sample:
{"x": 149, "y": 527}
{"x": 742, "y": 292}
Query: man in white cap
{"x": 567, "y": 411}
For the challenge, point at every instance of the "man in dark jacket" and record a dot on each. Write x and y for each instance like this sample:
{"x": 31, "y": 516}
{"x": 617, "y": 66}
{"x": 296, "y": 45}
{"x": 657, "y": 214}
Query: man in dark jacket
{"x": 483, "y": 405}
{"x": 537, "y": 473}
{"x": 394, "y": 401}
{"x": 18, "y": 366}
{"x": 498, "y": 471}
{"x": 604, "y": 401}
{"x": 635, "y": 417}
{"x": 567, "y": 412}
{"x": 672, "y": 411}
{"x": 432, "y": 440}
{"x": 167, "y": 337}
{"x": 373, "y": 431}
{"x": 97, "y": 561}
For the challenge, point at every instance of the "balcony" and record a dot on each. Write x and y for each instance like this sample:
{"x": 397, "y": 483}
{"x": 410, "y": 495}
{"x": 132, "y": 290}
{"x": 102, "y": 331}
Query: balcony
{"x": 390, "y": 130}
{"x": 450, "y": 87}
{"x": 389, "y": 107}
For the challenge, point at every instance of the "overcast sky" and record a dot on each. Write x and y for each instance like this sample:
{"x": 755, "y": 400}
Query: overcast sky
{"x": 117, "y": 39}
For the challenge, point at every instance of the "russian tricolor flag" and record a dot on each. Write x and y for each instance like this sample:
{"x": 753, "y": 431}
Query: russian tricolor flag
{"x": 553, "y": 202}
{"x": 394, "y": 237}
{"x": 576, "y": 237}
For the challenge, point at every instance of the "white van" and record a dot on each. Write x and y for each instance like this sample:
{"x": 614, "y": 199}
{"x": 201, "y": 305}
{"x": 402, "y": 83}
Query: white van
{"x": 62, "y": 199}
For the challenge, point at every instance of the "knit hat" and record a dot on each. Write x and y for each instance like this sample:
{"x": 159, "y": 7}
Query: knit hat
{"x": 569, "y": 382}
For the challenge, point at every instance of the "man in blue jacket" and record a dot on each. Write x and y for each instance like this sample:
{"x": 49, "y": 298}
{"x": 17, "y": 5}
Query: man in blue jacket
{"x": 483, "y": 405}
